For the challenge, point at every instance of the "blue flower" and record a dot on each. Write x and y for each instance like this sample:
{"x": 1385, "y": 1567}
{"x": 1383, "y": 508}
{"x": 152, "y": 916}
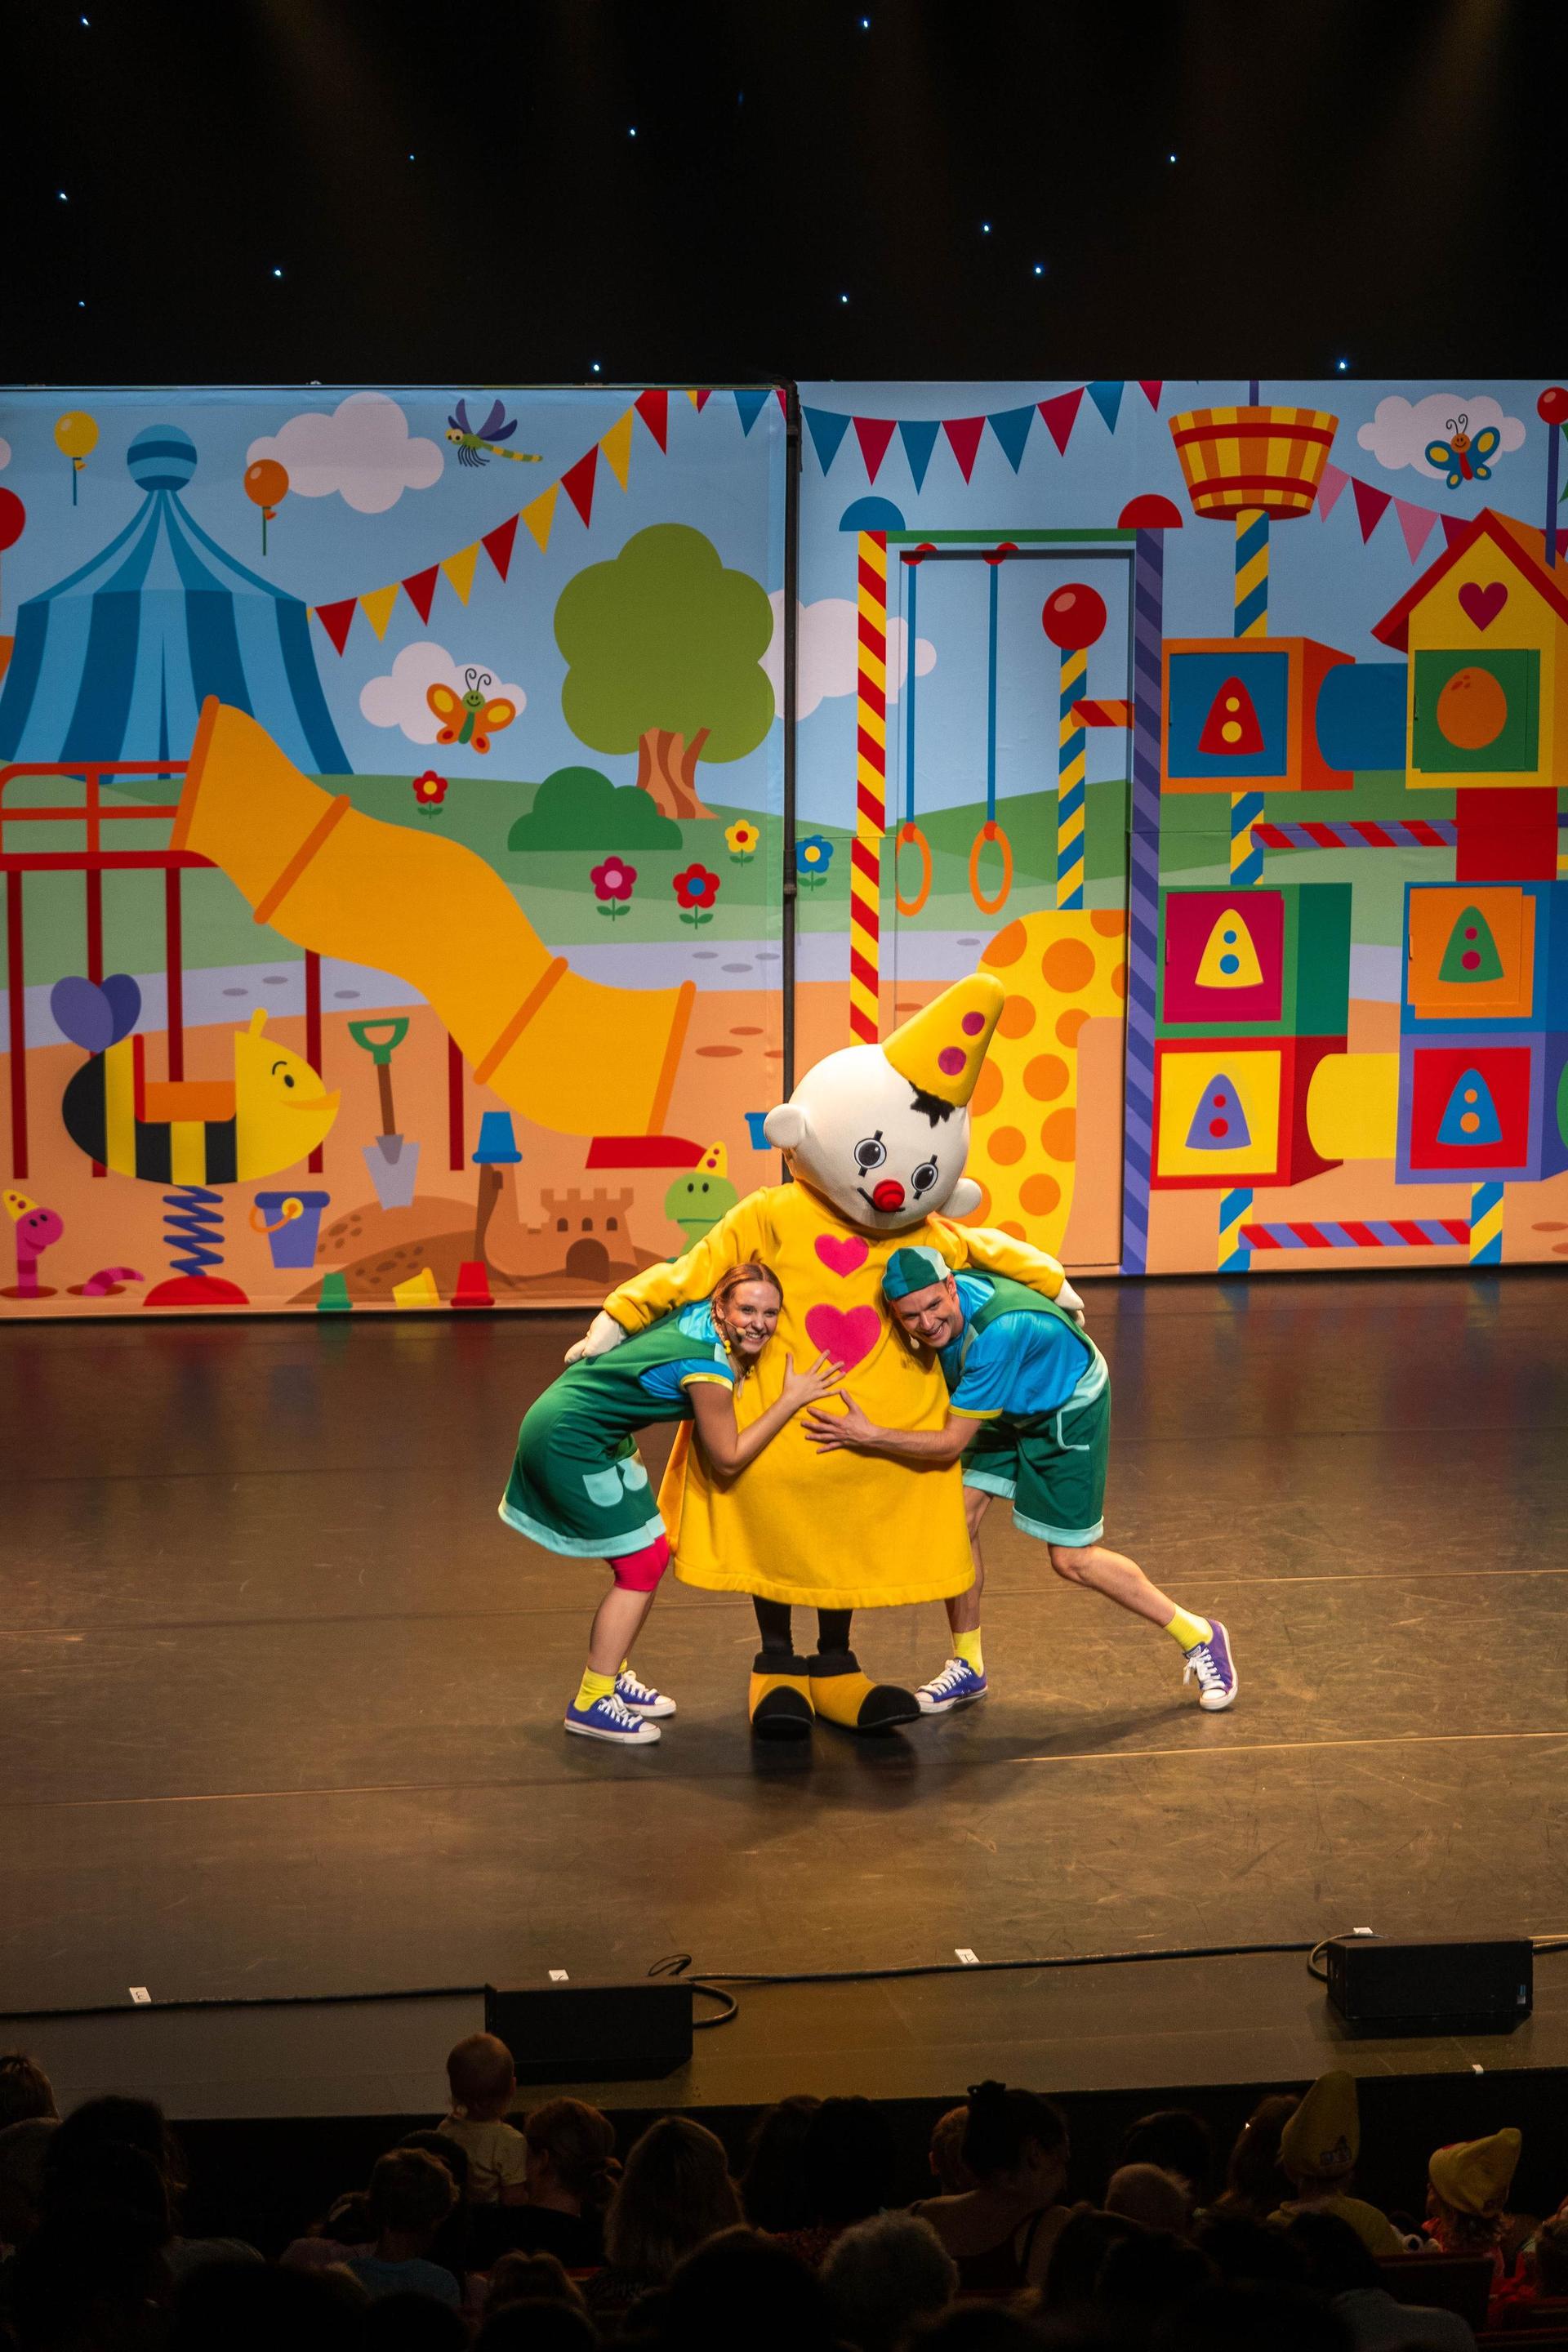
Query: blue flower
{"x": 812, "y": 857}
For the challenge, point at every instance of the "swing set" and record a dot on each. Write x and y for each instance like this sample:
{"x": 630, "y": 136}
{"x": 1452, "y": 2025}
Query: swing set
{"x": 993, "y": 833}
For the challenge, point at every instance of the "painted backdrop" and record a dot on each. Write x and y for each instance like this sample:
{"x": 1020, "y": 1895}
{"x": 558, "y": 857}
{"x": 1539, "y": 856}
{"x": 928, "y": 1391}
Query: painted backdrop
{"x": 1226, "y": 722}
{"x": 444, "y": 966}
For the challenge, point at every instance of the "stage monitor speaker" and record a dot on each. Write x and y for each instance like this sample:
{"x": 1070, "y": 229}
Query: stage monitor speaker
{"x": 1431, "y": 1984}
{"x": 593, "y": 2033}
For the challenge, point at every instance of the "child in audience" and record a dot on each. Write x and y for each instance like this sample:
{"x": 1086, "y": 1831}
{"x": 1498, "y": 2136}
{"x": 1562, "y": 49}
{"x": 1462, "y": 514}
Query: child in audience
{"x": 1468, "y": 2186}
{"x": 483, "y": 2084}
{"x": 1538, "y": 2295}
{"x": 411, "y": 2194}
{"x": 1318, "y": 2152}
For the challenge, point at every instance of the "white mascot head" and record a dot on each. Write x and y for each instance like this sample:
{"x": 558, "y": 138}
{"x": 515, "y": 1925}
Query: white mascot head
{"x": 882, "y": 1131}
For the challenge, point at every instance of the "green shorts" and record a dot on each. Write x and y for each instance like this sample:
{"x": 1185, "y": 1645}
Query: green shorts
{"x": 1050, "y": 1467}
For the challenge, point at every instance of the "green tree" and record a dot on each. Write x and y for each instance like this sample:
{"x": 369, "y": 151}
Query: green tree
{"x": 663, "y": 648}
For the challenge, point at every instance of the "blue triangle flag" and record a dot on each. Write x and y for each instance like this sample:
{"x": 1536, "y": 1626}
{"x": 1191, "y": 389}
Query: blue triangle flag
{"x": 1106, "y": 398}
{"x": 751, "y": 404}
{"x": 1219, "y": 1122}
{"x": 919, "y": 438}
{"x": 1471, "y": 1116}
{"x": 1011, "y": 426}
{"x": 827, "y": 430}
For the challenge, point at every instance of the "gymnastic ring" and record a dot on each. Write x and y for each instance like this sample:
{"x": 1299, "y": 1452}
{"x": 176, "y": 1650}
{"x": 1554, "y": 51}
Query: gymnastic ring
{"x": 910, "y": 833}
{"x": 991, "y": 831}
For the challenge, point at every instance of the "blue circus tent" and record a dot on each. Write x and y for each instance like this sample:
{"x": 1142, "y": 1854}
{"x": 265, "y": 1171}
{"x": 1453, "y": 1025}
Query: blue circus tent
{"x": 115, "y": 662}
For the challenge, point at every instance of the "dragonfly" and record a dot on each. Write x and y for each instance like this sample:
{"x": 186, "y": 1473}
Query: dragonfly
{"x": 476, "y": 448}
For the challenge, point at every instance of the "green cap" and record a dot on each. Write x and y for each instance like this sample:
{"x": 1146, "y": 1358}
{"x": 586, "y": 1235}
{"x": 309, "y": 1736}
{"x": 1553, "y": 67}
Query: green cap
{"x": 914, "y": 1267}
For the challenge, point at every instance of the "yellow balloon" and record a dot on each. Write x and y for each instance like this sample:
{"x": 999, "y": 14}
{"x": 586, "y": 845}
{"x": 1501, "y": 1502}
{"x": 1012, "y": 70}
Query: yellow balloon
{"x": 77, "y": 433}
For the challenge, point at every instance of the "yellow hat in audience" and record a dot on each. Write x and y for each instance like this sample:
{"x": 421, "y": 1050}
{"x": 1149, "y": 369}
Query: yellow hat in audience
{"x": 1475, "y": 2175}
{"x": 1323, "y": 2137}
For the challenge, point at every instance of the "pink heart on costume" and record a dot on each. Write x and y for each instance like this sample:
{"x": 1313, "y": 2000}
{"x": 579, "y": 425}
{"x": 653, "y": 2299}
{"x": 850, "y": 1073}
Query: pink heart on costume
{"x": 1482, "y": 606}
{"x": 846, "y": 1337}
{"x": 842, "y": 1256}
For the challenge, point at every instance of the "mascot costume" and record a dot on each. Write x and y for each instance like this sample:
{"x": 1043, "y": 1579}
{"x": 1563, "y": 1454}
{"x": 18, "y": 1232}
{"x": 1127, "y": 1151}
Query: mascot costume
{"x": 875, "y": 1137}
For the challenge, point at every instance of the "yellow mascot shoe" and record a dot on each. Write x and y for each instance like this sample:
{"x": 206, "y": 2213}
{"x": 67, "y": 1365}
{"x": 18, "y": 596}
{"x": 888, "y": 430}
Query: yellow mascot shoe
{"x": 841, "y": 1694}
{"x": 779, "y": 1703}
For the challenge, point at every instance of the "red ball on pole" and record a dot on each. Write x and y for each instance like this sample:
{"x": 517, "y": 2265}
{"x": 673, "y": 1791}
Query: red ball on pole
{"x": 1073, "y": 617}
{"x": 1552, "y": 405}
{"x": 13, "y": 519}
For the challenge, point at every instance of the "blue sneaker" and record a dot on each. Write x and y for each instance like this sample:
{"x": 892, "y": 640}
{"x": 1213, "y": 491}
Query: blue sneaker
{"x": 956, "y": 1686}
{"x": 642, "y": 1696}
{"x": 1211, "y": 1661}
{"x": 608, "y": 1718}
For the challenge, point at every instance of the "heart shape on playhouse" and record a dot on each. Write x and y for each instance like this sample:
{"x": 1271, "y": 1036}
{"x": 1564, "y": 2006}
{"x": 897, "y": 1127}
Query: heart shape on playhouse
{"x": 846, "y": 1336}
{"x": 842, "y": 1255}
{"x": 1481, "y": 605}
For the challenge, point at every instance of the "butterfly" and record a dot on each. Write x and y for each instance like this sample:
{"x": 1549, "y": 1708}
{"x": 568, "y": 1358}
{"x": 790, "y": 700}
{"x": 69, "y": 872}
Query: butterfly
{"x": 469, "y": 717}
{"x": 1461, "y": 458}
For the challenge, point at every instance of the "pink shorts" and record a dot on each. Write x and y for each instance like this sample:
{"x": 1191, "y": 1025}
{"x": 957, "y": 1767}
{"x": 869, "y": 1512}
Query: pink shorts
{"x": 639, "y": 1571}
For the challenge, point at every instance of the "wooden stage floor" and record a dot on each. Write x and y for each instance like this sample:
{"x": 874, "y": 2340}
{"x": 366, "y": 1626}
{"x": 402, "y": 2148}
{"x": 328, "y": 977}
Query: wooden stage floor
{"x": 281, "y": 1697}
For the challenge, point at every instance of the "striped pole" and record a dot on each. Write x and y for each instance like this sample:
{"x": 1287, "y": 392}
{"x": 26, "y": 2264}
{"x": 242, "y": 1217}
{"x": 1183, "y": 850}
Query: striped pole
{"x": 1251, "y": 620}
{"x": 1142, "y": 897}
{"x": 871, "y": 788}
{"x": 1486, "y": 1224}
{"x": 1070, "y": 765}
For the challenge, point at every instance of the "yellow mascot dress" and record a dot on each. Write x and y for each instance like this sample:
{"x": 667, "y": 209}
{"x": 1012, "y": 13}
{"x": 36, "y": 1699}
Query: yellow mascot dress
{"x": 876, "y": 1138}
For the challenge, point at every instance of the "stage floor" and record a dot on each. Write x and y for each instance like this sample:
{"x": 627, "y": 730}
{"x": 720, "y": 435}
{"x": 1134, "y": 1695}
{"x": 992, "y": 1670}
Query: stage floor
{"x": 282, "y": 1696}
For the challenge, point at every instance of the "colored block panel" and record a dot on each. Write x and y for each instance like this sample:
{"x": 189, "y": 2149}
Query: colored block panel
{"x": 1359, "y": 717}
{"x": 1224, "y": 957}
{"x": 1471, "y": 1107}
{"x": 1231, "y": 1111}
{"x": 1239, "y": 715}
{"x": 1274, "y": 963}
{"x": 1470, "y": 951}
{"x": 1476, "y": 710}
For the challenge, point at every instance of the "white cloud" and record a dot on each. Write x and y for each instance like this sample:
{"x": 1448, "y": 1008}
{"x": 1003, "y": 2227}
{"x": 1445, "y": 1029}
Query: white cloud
{"x": 4, "y": 454}
{"x": 1400, "y": 429}
{"x": 828, "y": 639}
{"x": 362, "y": 451}
{"x": 397, "y": 697}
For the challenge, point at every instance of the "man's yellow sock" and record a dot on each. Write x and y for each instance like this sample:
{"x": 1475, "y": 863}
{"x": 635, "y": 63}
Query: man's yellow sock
{"x": 592, "y": 1686}
{"x": 967, "y": 1647}
{"x": 1188, "y": 1630}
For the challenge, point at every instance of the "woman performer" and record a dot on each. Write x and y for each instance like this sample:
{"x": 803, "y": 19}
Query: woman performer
{"x": 578, "y": 1485}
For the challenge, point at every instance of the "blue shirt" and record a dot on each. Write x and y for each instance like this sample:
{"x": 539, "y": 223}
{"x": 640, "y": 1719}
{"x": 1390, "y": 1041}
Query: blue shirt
{"x": 1019, "y": 1365}
{"x": 413, "y": 2277}
{"x": 708, "y": 1360}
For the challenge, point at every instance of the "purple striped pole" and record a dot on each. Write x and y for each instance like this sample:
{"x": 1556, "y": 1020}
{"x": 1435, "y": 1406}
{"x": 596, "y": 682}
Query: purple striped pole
{"x": 1142, "y": 897}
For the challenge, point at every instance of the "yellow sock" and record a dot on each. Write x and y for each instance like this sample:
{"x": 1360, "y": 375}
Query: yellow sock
{"x": 967, "y": 1647}
{"x": 1187, "y": 1630}
{"x": 592, "y": 1686}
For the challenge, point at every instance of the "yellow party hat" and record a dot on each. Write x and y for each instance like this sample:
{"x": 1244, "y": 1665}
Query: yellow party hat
{"x": 18, "y": 1206}
{"x": 1475, "y": 2175}
{"x": 715, "y": 1161}
{"x": 941, "y": 1050}
{"x": 1322, "y": 2139}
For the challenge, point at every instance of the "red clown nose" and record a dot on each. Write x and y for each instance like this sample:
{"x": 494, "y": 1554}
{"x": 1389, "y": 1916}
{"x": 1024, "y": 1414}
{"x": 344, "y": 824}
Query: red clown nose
{"x": 888, "y": 1194}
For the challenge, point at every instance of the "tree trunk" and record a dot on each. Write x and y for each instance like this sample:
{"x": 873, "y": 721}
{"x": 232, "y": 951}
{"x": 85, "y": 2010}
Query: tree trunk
{"x": 667, "y": 765}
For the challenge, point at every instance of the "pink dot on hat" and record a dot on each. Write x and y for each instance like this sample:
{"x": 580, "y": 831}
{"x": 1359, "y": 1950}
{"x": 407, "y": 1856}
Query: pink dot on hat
{"x": 951, "y": 1060}
{"x": 973, "y": 1023}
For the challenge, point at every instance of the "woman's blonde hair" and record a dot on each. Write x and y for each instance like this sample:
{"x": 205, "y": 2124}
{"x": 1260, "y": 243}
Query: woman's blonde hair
{"x": 676, "y": 2191}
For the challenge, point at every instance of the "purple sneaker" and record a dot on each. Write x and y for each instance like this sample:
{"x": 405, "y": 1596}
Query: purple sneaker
{"x": 1211, "y": 1661}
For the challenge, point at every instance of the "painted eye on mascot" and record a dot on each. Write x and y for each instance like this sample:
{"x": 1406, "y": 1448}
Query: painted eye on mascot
{"x": 870, "y": 1152}
{"x": 288, "y": 1081}
{"x": 925, "y": 1177}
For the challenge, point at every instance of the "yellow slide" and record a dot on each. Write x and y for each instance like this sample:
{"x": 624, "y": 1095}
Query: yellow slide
{"x": 566, "y": 1052}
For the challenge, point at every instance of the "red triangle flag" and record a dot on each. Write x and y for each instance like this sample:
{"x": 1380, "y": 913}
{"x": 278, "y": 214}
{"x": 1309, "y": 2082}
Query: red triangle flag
{"x": 421, "y": 590}
{"x": 702, "y": 400}
{"x": 653, "y": 407}
{"x": 1371, "y": 505}
{"x": 1457, "y": 527}
{"x": 783, "y": 398}
{"x": 1061, "y": 415}
{"x": 963, "y": 436}
{"x": 338, "y": 619}
{"x": 873, "y": 434}
{"x": 497, "y": 544}
{"x": 578, "y": 484}
{"x": 1151, "y": 389}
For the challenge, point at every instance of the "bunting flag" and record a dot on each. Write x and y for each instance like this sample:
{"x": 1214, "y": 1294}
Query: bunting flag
{"x": 1330, "y": 487}
{"x": 701, "y": 401}
{"x": 1371, "y": 505}
{"x": 1416, "y": 523}
{"x": 1012, "y": 427}
{"x": 751, "y": 404}
{"x": 377, "y": 607}
{"x": 578, "y": 482}
{"x": 616, "y": 446}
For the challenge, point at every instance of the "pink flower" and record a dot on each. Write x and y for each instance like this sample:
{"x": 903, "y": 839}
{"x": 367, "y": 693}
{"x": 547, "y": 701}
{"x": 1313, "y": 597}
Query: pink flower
{"x": 613, "y": 879}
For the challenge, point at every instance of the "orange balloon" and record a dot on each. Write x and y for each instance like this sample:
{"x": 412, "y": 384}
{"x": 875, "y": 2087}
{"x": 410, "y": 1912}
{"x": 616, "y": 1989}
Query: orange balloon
{"x": 266, "y": 482}
{"x": 1472, "y": 710}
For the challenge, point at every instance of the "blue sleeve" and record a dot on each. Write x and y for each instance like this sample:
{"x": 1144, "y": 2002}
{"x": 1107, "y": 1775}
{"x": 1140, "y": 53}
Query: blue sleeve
{"x": 987, "y": 1375}
{"x": 669, "y": 1382}
{"x": 1021, "y": 1364}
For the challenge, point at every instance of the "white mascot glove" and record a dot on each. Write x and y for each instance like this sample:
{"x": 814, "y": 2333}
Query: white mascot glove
{"x": 601, "y": 1334}
{"x": 1067, "y": 1297}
